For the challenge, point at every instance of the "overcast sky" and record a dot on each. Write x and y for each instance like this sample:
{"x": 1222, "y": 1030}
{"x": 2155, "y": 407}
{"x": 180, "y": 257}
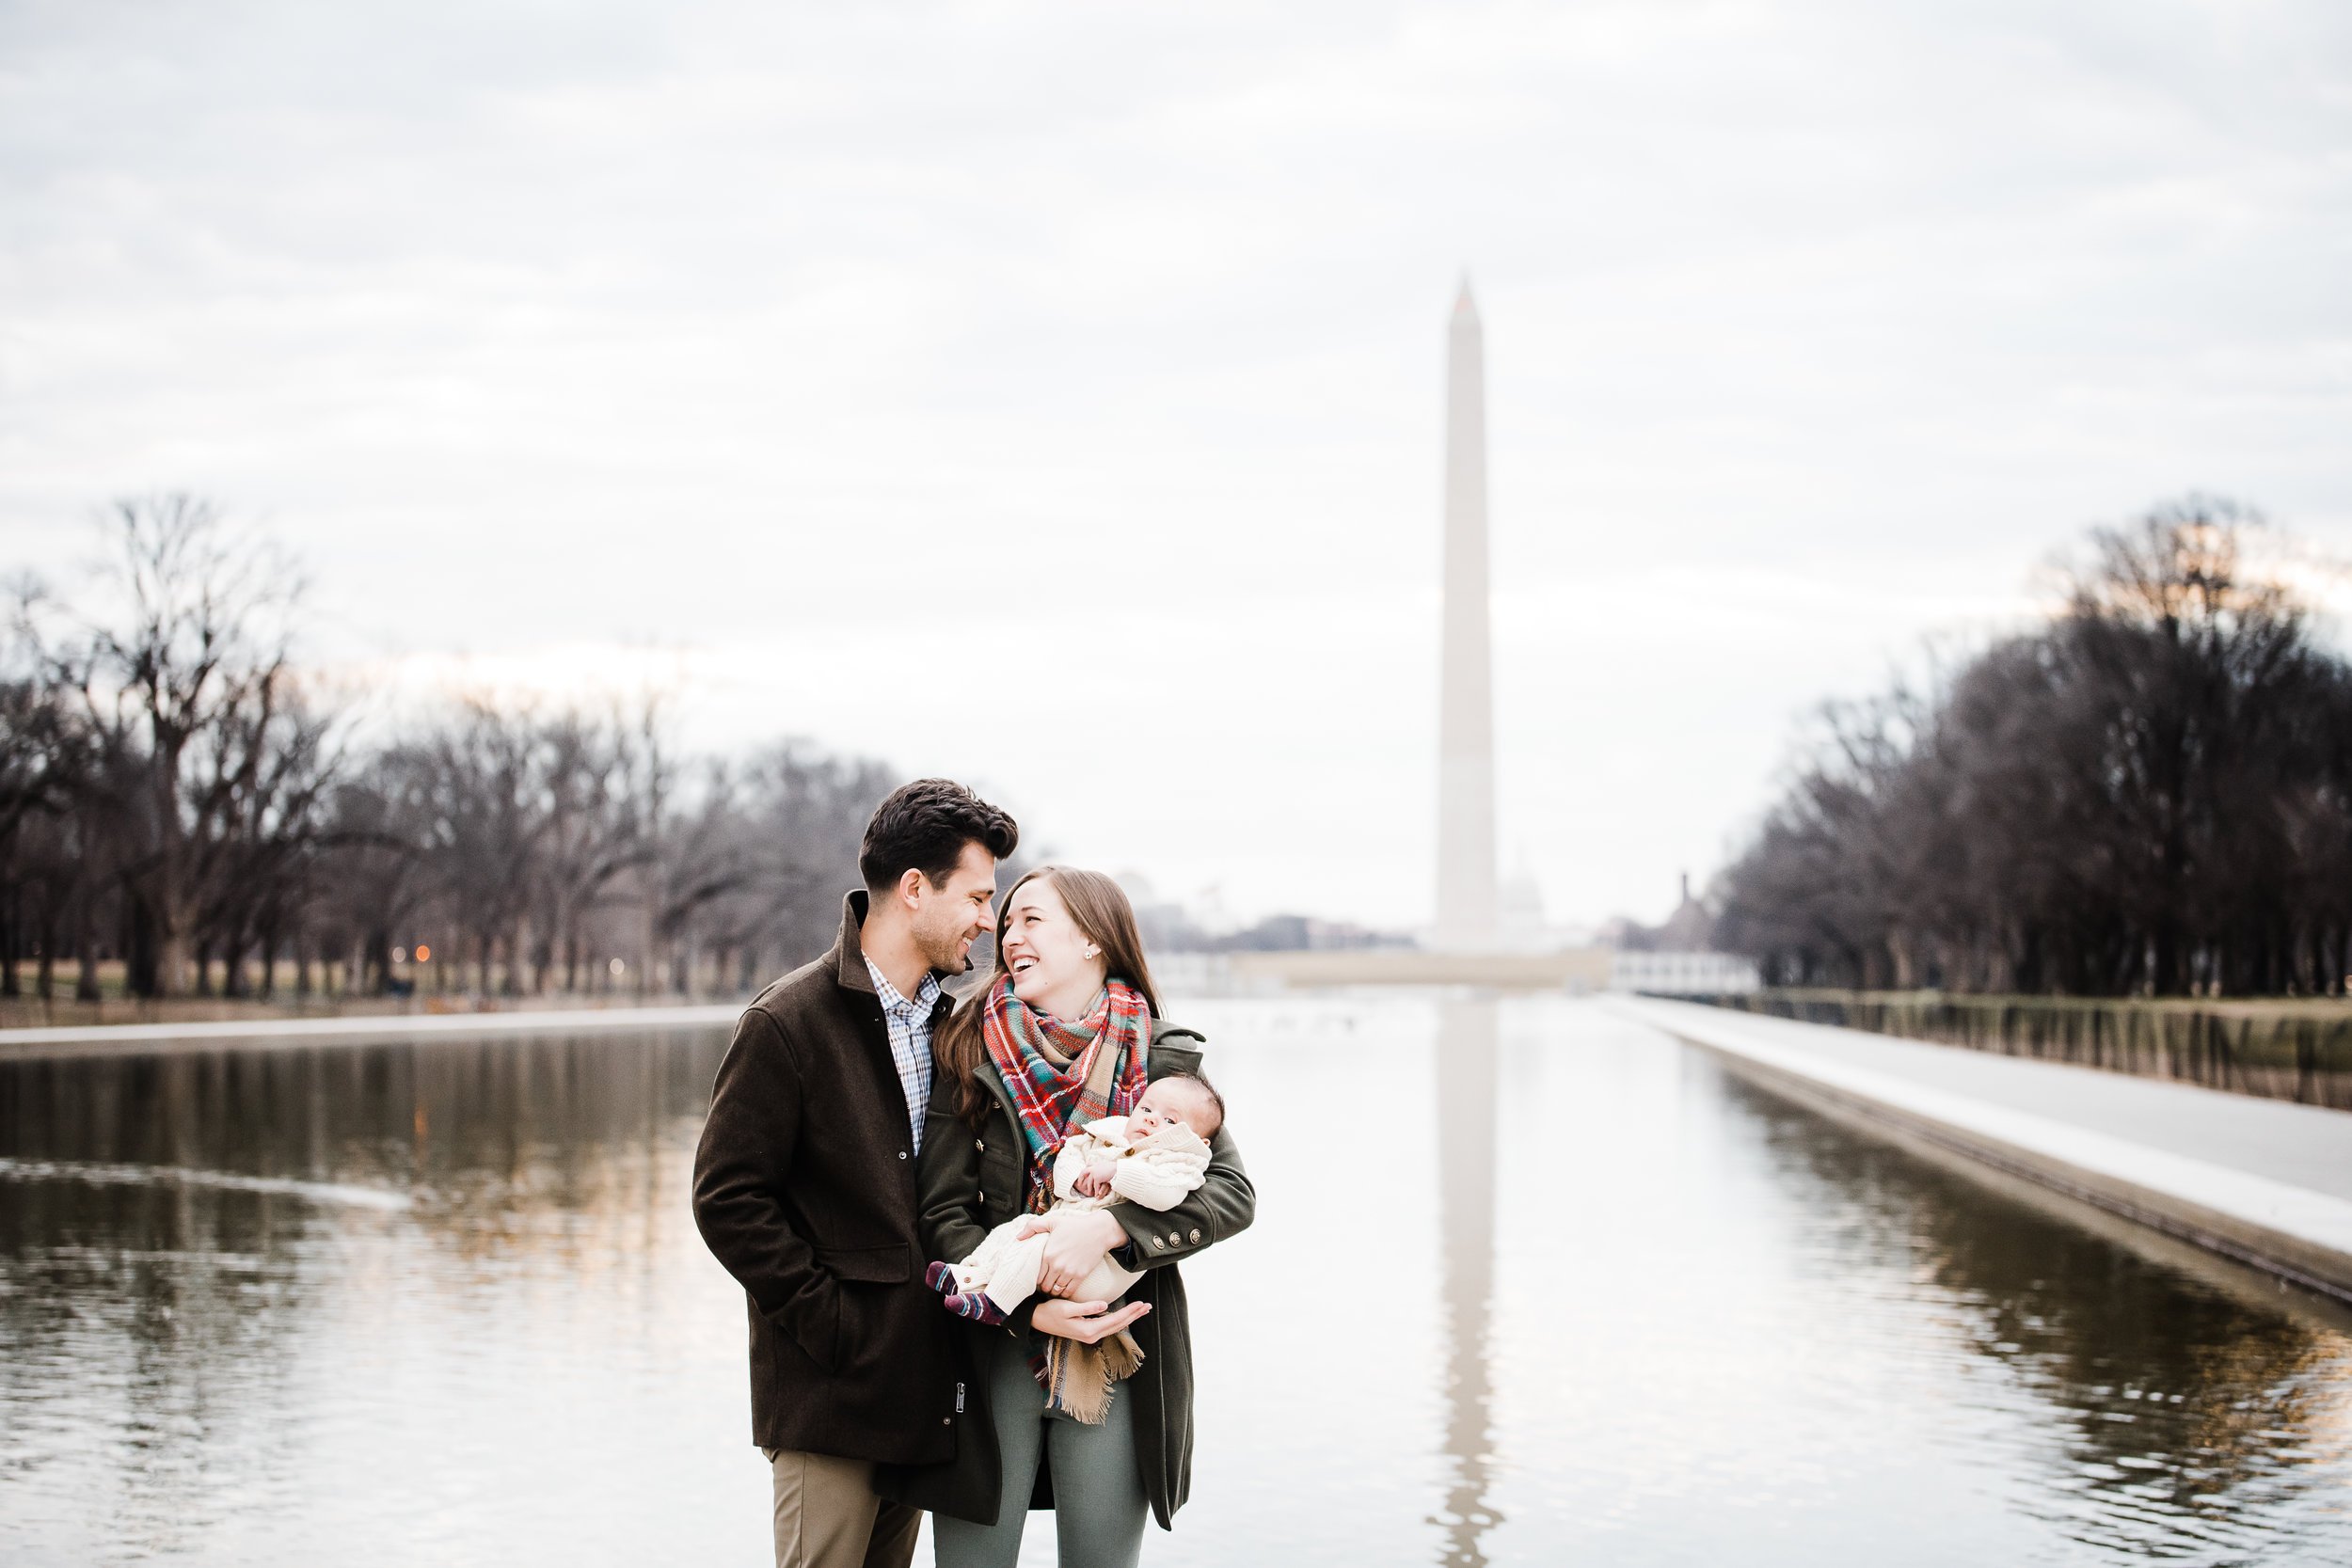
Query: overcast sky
{"x": 1051, "y": 395}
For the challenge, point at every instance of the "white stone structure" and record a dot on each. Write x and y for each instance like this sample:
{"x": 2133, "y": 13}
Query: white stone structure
{"x": 1682, "y": 973}
{"x": 1467, "y": 904}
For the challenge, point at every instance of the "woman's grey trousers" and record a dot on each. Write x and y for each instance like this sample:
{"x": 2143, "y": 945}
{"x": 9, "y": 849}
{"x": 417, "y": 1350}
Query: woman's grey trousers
{"x": 1099, "y": 1506}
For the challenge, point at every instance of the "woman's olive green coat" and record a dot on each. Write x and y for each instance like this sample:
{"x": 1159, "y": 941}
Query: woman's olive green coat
{"x": 969, "y": 1181}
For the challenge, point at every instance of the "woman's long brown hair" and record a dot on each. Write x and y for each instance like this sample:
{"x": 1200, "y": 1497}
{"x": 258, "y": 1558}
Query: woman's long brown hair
{"x": 1098, "y": 907}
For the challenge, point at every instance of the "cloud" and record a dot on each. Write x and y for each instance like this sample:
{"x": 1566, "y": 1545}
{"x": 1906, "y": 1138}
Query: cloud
{"x": 1052, "y": 393}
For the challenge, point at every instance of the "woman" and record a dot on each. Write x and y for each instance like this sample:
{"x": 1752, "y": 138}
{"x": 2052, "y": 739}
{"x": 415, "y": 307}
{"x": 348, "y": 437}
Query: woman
{"x": 1067, "y": 1030}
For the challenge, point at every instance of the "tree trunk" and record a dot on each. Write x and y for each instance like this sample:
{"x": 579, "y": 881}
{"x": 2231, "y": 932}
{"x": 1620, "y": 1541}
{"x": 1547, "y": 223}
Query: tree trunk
{"x": 175, "y": 957}
{"x": 9, "y": 987}
{"x": 46, "y": 973}
{"x": 85, "y": 955}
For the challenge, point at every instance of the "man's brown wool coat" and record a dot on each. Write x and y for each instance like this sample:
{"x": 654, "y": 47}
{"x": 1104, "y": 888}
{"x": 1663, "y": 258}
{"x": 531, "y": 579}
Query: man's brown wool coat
{"x": 805, "y": 1190}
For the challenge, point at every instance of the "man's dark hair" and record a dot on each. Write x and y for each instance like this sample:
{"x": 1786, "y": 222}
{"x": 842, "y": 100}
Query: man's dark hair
{"x": 924, "y": 825}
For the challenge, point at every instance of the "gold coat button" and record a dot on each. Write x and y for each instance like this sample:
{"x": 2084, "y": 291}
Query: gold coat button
{"x": 1174, "y": 1239}
{"x": 1158, "y": 1246}
{"x": 1196, "y": 1238}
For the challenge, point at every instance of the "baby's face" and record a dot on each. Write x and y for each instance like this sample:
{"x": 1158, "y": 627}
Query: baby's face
{"x": 1161, "y": 1107}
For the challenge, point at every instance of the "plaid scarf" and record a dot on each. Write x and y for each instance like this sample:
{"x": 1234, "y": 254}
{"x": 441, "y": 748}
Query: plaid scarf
{"x": 1064, "y": 1074}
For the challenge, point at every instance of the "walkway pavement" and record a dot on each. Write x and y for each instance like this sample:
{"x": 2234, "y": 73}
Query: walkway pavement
{"x": 2266, "y": 1181}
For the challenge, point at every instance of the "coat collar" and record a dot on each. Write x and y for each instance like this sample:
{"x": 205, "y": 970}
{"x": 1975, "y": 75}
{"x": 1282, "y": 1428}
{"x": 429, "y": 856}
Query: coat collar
{"x": 848, "y": 959}
{"x": 1174, "y": 1048}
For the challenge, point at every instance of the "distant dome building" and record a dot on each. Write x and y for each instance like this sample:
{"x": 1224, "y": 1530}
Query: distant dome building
{"x": 1520, "y": 923}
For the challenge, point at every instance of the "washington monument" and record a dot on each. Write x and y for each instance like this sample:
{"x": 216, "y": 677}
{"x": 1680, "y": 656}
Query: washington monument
{"x": 1466, "y": 717}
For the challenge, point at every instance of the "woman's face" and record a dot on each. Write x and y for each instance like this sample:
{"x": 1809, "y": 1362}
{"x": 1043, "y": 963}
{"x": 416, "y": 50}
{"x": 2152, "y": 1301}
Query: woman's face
{"x": 1048, "y": 957}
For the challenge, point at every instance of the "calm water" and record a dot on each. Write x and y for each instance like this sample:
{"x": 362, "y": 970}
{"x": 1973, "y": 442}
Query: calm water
{"x": 1589, "y": 1299}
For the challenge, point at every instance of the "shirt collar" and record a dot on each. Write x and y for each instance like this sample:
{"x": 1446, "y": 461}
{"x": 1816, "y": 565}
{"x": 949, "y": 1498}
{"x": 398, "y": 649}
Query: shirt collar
{"x": 926, "y": 995}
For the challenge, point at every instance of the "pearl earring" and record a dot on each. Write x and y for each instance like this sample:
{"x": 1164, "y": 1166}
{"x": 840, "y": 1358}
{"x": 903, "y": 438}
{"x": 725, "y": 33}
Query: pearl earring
{"x": 1093, "y": 951}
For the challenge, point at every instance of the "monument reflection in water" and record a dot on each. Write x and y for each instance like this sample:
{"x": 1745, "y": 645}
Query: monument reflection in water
{"x": 1466, "y": 1224}
{"x": 443, "y": 1301}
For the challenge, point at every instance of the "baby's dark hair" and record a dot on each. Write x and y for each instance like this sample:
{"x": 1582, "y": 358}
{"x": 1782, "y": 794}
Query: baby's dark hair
{"x": 1216, "y": 1100}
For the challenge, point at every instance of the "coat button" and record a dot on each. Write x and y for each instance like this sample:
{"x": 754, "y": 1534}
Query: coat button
{"x": 1158, "y": 1246}
{"x": 1196, "y": 1238}
{"x": 980, "y": 1144}
{"x": 902, "y": 1154}
{"x": 1174, "y": 1239}
{"x": 947, "y": 1420}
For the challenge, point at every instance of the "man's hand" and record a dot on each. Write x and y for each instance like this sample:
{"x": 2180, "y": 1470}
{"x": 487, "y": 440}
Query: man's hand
{"x": 1076, "y": 1242}
{"x": 1087, "y": 1322}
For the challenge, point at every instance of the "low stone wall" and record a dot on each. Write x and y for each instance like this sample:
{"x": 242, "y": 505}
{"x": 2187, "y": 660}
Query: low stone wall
{"x": 2287, "y": 1050}
{"x": 1581, "y": 969}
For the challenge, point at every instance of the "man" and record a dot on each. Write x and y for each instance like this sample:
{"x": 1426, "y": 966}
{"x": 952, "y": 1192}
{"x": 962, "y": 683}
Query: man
{"x": 805, "y": 1182}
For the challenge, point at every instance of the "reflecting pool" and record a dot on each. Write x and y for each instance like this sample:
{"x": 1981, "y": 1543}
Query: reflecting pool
{"x": 1563, "y": 1290}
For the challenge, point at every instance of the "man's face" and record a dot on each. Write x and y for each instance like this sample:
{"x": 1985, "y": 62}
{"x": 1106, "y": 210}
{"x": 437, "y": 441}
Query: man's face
{"x": 949, "y": 918}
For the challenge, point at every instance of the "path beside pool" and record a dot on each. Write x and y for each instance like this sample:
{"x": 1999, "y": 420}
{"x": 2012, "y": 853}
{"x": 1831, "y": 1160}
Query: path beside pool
{"x": 2266, "y": 1182}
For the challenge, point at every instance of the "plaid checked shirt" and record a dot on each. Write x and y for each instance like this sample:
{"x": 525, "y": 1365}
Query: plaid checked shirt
{"x": 909, "y": 1025}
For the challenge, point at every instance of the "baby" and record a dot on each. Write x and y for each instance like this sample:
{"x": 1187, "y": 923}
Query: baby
{"x": 1154, "y": 1156}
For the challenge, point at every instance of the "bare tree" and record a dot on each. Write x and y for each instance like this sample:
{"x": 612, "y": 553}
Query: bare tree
{"x": 194, "y": 655}
{"x": 44, "y": 758}
{"x": 593, "y": 828}
{"x": 2152, "y": 794}
{"x": 176, "y": 797}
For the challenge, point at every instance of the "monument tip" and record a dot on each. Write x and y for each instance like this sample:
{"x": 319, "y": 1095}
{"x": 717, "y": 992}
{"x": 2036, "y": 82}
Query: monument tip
{"x": 1465, "y": 308}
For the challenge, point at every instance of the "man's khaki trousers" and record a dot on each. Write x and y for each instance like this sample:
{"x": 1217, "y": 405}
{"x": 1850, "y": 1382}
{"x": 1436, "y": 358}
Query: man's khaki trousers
{"x": 827, "y": 1515}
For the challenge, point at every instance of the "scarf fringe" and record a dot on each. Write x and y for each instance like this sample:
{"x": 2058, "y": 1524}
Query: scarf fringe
{"x": 1079, "y": 1377}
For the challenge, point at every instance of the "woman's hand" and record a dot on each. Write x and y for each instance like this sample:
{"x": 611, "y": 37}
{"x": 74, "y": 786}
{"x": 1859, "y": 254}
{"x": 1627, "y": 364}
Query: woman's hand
{"x": 1075, "y": 1243}
{"x": 1087, "y": 1322}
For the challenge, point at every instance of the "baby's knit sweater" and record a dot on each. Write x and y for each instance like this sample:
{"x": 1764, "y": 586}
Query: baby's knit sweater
{"x": 1156, "y": 1171}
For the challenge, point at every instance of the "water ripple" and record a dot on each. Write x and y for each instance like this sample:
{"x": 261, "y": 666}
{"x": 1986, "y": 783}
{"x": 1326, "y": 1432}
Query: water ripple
{"x": 102, "y": 1175}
